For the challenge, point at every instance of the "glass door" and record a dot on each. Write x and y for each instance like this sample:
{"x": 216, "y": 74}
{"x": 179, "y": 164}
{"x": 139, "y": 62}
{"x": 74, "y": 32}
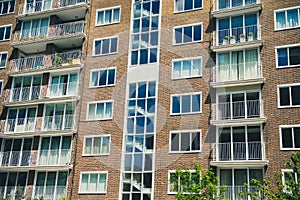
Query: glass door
{"x": 26, "y": 152}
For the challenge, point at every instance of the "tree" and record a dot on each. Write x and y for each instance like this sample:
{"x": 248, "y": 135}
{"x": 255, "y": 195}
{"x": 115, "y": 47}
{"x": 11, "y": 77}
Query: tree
{"x": 196, "y": 184}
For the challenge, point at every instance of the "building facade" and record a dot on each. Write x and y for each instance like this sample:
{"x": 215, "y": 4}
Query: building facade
{"x": 106, "y": 99}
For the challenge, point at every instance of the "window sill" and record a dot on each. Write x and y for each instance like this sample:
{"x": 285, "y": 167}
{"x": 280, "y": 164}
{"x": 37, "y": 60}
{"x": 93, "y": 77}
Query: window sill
{"x": 284, "y": 29}
{"x": 178, "y": 114}
{"x": 185, "y": 11}
{"x": 94, "y": 120}
{"x": 108, "y": 54}
{"x": 184, "y": 152}
{"x": 103, "y": 86}
{"x": 187, "y": 43}
{"x": 289, "y": 66}
{"x": 92, "y": 192}
{"x": 95, "y": 155}
{"x": 188, "y": 77}
{"x": 99, "y": 25}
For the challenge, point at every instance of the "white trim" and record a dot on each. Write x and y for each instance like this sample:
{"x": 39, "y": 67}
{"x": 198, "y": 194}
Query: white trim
{"x": 285, "y": 12}
{"x": 187, "y": 59}
{"x": 179, "y": 140}
{"x": 5, "y": 26}
{"x": 106, "y": 9}
{"x": 290, "y": 94}
{"x": 96, "y": 102}
{"x": 185, "y": 94}
{"x": 183, "y": 11}
{"x": 89, "y": 173}
{"x": 105, "y": 38}
{"x": 288, "y": 56}
{"x": 182, "y": 34}
{"x": 102, "y": 69}
{"x": 293, "y": 142}
{"x": 96, "y": 136}
{"x": 8, "y": 8}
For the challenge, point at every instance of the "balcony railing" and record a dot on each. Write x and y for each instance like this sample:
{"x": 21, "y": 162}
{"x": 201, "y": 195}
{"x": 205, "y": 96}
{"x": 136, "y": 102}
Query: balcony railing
{"x": 12, "y": 192}
{"x": 222, "y": 5}
{"x": 16, "y": 158}
{"x": 20, "y": 125}
{"x": 64, "y": 89}
{"x": 54, "y": 157}
{"x": 237, "y": 35}
{"x": 238, "y": 151}
{"x": 237, "y": 110}
{"x": 40, "y": 6}
{"x": 45, "y": 61}
{"x": 238, "y": 192}
{"x": 53, "y": 31}
{"x": 23, "y": 94}
{"x": 58, "y": 122}
{"x": 234, "y": 72}
{"x": 49, "y": 192}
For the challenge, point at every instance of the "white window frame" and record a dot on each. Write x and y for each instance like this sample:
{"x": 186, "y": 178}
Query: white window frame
{"x": 96, "y": 102}
{"x": 182, "y": 27}
{"x": 184, "y": 94}
{"x": 2, "y": 53}
{"x": 185, "y": 131}
{"x": 5, "y": 26}
{"x": 93, "y": 137}
{"x": 89, "y": 173}
{"x": 169, "y": 176}
{"x": 193, "y": 9}
{"x": 283, "y": 171}
{"x": 288, "y": 54}
{"x": 106, "y": 38}
{"x": 187, "y": 59}
{"x": 285, "y": 13}
{"x": 290, "y": 94}
{"x": 8, "y": 8}
{"x": 102, "y": 69}
{"x": 293, "y": 142}
{"x": 106, "y": 9}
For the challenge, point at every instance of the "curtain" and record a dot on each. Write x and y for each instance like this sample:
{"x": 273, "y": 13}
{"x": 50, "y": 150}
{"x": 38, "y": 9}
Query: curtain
{"x": 72, "y": 86}
{"x": 100, "y": 17}
{"x": 30, "y": 119}
{"x": 108, "y": 14}
{"x": 61, "y": 184}
{"x": 35, "y": 28}
{"x": 91, "y": 114}
{"x": 93, "y": 183}
{"x": 65, "y": 154}
{"x": 44, "y": 26}
{"x": 179, "y": 5}
{"x": 96, "y": 145}
{"x": 100, "y": 110}
{"x": 105, "y": 145}
{"x": 40, "y": 183}
{"x": 223, "y": 67}
{"x": 237, "y": 65}
{"x": 251, "y": 65}
{"x": 88, "y": 146}
{"x": 50, "y": 185}
{"x": 116, "y": 15}
{"x": 108, "y": 110}
{"x": 26, "y": 29}
{"x": 280, "y": 20}
{"x": 54, "y": 151}
{"x": 292, "y": 18}
{"x": 102, "y": 183}
{"x": 54, "y": 86}
{"x": 84, "y": 183}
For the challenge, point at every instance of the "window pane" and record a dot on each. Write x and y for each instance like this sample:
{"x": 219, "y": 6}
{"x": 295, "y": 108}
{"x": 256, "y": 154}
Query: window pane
{"x": 151, "y": 89}
{"x": 185, "y": 142}
{"x": 188, "y": 31}
{"x": 7, "y": 33}
{"x": 186, "y": 104}
{"x": 134, "y": 57}
{"x": 297, "y": 137}
{"x": 94, "y": 78}
{"x": 116, "y": 15}
{"x": 196, "y": 141}
{"x": 96, "y": 145}
{"x": 111, "y": 76}
{"x": 196, "y": 67}
{"x": 292, "y": 18}
{"x": 102, "y": 183}
{"x": 93, "y": 183}
{"x": 284, "y": 96}
{"x": 144, "y": 56}
{"x": 84, "y": 183}
{"x": 178, "y": 35}
{"x": 108, "y": 110}
{"x": 196, "y": 103}
{"x": 294, "y": 55}
{"x": 188, "y": 4}
{"x": 174, "y": 142}
{"x": 105, "y": 46}
{"x": 176, "y": 69}
{"x": 145, "y": 24}
{"x": 3, "y": 59}
{"x": 179, "y": 5}
{"x": 280, "y": 20}
{"x": 286, "y": 138}
{"x": 108, "y": 14}
{"x": 175, "y": 104}
{"x": 114, "y": 45}
{"x": 197, "y": 32}
{"x": 153, "y": 55}
{"x": 97, "y": 47}
{"x": 154, "y": 24}
{"x": 103, "y": 75}
{"x": 186, "y": 68}
{"x": 2, "y": 33}
{"x": 295, "y": 95}
{"x": 105, "y": 145}
{"x": 100, "y": 19}
{"x": 282, "y": 57}
{"x": 142, "y": 90}
{"x": 197, "y": 3}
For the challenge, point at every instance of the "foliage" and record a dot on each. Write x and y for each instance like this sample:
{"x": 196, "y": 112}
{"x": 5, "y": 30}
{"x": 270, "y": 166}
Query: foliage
{"x": 196, "y": 184}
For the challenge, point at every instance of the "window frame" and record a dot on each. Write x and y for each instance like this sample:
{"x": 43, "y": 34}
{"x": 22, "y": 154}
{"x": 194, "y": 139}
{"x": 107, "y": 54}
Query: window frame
{"x": 89, "y": 173}
{"x": 9, "y": 8}
{"x": 288, "y": 55}
{"x": 185, "y": 94}
{"x": 93, "y": 137}
{"x": 102, "y": 69}
{"x": 179, "y": 144}
{"x": 186, "y": 59}
{"x": 285, "y": 13}
{"x": 5, "y": 26}
{"x": 2, "y": 53}
{"x": 102, "y": 39}
{"x": 169, "y": 182}
{"x": 1, "y": 87}
{"x": 193, "y": 9}
{"x": 96, "y": 102}
{"x": 293, "y": 141}
{"x": 106, "y": 9}
{"x": 182, "y": 34}
{"x": 290, "y": 95}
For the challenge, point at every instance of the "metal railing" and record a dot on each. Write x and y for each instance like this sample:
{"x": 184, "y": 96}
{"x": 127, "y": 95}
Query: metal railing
{"x": 46, "y": 5}
{"x": 238, "y": 151}
{"x": 20, "y": 124}
{"x": 58, "y": 122}
{"x": 221, "y": 5}
{"x": 238, "y": 192}
{"x": 48, "y": 32}
{"x": 63, "y": 89}
{"x": 45, "y": 61}
{"x": 54, "y": 157}
{"x": 16, "y": 158}
{"x": 233, "y": 72}
{"x": 23, "y": 94}
{"x": 236, "y": 35}
{"x": 49, "y": 192}
{"x": 12, "y": 192}
{"x": 237, "y": 110}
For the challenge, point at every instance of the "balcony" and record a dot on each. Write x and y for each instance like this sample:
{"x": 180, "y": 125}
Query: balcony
{"x": 23, "y": 94}
{"x": 237, "y": 38}
{"x": 61, "y": 90}
{"x": 12, "y": 192}
{"x": 45, "y": 63}
{"x": 58, "y": 122}
{"x": 16, "y": 158}
{"x": 63, "y": 36}
{"x": 50, "y": 192}
{"x": 54, "y": 157}
{"x": 237, "y": 74}
{"x": 234, "y": 7}
{"x": 20, "y": 125}
{"x": 235, "y": 192}
{"x": 239, "y": 153}
{"x": 65, "y": 9}
{"x": 238, "y": 112}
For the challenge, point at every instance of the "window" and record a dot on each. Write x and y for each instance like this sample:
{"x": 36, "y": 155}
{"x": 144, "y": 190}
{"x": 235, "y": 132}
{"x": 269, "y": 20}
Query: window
{"x": 188, "y": 34}
{"x": 96, "y": 145}
{"x": 187, "y": 68}
{"x": 10, "y": 181}
{"x": 186, "y": 103}
{"x": 288, "y": 175}
{"x": 176, "y": 183}
{"x": 7, "y": 6}
{"x": 185, "y": 141}
{"x": 289, "y": 95}
{"x": 3, "y": 58}
{"x": 5, "y": 32}
{"x": 105, "y": 46}
{"x": 21, "y": 119}
{"x": 288, "y": 56}
{"x": 93, "y": 182}
{"x": 225, "y": 4}
{"x": 1, "y": 86}
{"x": 290, "y": 137}
{"x": 103, "y": 77}
{"x": 186, "y": 5}
{"x": 34, "y": 28}
{"x": 63, "y": 85}
{"x": 108, "y": 16}
{"x": 102, "y": 110}
{"x": 287, "y": 18}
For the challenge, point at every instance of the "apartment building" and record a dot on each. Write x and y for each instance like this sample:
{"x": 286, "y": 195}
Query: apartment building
{"x": 106, "y": 99}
